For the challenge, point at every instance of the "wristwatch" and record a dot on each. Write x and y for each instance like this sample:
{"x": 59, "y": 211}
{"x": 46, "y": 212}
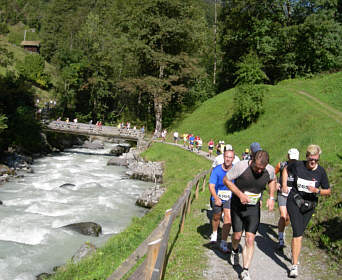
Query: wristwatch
{"x": 319, "y": 191}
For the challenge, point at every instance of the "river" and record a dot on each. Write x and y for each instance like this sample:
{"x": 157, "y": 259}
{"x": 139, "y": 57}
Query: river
{"x": 35, "y": 207}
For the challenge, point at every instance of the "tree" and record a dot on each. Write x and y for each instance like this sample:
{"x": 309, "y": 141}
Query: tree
{"x": 249, "y": 94}
{"x": 165, "y": 43}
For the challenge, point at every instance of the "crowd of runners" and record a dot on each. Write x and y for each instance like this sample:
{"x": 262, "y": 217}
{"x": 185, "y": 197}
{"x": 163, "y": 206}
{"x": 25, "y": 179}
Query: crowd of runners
{"x": 236, "y": 188}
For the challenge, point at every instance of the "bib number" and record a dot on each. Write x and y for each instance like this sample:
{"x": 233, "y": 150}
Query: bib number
{"x": 224, "y": 194}
{"x": 254, "y": 197}
{"x": 303, "y": 185}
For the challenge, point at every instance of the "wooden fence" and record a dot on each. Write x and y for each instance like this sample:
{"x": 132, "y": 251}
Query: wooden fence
{"x": 156, "y": 244}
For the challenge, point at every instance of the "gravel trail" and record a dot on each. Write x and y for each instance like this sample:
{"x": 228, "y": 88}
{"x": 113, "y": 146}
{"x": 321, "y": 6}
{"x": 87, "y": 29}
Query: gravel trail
{"x": 268, "y": 262}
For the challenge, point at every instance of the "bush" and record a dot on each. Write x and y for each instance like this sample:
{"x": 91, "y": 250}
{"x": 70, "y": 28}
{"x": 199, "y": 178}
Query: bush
{"x": 32, "y": 69}
{"x": 248, "y": 105}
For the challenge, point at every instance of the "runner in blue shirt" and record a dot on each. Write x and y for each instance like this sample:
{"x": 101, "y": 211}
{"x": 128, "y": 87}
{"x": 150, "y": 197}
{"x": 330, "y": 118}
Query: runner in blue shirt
{"x": 220, "y": 200}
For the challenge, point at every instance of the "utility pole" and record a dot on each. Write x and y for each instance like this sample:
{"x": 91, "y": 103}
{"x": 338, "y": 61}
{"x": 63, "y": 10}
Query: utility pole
{"x": 215, "y": 53}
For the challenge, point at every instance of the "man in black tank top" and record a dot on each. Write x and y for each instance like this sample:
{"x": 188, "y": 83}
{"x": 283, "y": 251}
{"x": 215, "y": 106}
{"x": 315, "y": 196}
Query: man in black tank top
{"x": 251, "y": 178}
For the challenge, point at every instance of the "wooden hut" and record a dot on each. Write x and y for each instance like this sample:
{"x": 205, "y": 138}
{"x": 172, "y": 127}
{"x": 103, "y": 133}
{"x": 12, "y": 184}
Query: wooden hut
{"x": 31, "y": 46}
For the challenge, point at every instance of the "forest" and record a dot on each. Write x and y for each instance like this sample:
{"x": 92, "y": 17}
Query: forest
{"x": 150, "y": 61}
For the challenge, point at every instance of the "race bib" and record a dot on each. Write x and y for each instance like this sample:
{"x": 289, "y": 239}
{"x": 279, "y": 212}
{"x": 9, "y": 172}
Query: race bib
{"x": 286, "y": 194}
{"x": 224, "y": 194}
{"x": 303, "y": 185}
{"x": 254, "y": 197}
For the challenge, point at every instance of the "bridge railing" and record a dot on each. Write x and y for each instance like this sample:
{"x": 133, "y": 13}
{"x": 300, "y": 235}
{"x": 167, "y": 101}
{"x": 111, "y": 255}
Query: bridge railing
{"x": 156, "y": 244}
{"x": 94, "y": 129}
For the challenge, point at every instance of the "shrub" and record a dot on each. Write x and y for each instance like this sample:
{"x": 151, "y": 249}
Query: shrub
{"x": 248, "y": 104}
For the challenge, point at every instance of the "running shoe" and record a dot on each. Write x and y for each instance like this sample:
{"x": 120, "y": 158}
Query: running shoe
{"x": 213, "y": 237}
{"x": 245, "y": 275}
{"x": 234, "y": 258}
{"x": 294, "y": 271}
{"x": 224, "y": 246}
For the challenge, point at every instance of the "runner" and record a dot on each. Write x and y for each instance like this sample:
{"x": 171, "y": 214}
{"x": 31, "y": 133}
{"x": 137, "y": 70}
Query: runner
{"x": 191, "y": 142}
{"x": 199, "y": 144}
{"x": 175, "y": 137}
{"x": 284, "y": 219}
{"x": 250, "y": 178}
{"x": 210, "y": 147}
{"x": 302, "y": 199}
{"x": 219, "y": 159}
{"x": 185, "y": 139}
{"x": 220, "y": 200}
{"x": 245, "y": 155}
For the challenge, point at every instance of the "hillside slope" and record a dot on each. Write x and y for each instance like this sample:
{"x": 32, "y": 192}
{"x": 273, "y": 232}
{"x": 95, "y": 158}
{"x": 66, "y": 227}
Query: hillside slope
{"x": 290, "y": 120}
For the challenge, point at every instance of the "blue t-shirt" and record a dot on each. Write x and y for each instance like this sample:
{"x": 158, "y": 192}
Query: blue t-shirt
{"x": 192, "y": 139}
{"x": 216, "y": 178}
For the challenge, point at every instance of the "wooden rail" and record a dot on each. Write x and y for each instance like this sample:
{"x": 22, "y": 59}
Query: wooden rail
{"x": 156, "y": 244}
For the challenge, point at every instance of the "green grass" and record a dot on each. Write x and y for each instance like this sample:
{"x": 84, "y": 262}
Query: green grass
{"x": 327, "y": 88}
{"x": 180, "y": 167}
{"x": 188, "y": 259}
{"x": 12, "y": 43}
{"x": 289, "y": 121}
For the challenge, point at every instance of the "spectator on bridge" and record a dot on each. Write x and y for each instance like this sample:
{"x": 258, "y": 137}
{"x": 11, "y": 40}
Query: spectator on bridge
{"x": 67, "y": 120}
{"x": 75, "y": 120}
{"x": 142, "y": 129}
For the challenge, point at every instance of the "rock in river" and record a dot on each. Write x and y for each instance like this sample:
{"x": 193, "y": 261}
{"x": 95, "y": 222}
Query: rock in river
{"x": 86, "y": 228}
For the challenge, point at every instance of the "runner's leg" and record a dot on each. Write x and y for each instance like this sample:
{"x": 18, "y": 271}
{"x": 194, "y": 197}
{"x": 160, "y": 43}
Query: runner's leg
{"x": 248, "y": 250}
{"x": 227, "y": 223}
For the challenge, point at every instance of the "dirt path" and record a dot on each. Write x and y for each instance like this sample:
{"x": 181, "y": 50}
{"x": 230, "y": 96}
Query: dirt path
{"x": 325, "y": 108}
{"x": 268, "y": 262}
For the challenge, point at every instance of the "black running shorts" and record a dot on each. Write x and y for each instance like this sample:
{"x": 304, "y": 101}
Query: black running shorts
{"x": 298, "y": 220}
{"x": 245, "y": 217}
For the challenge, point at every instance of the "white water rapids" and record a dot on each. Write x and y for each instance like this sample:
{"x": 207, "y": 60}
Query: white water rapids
{"x": 35, "y": 207}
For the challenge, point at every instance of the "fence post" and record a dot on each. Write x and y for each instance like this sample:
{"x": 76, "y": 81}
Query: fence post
{"x": 204, "y": 181}
{"x": 186, "y": 208}
{"x": 197, "y": 189}
{"x": 152, "y": 254}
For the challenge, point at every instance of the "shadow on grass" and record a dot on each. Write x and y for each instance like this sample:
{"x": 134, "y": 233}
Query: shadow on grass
{"x": 270, "y": 247}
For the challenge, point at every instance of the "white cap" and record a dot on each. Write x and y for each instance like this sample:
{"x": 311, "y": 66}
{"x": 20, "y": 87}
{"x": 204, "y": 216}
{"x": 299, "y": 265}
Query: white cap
{"x": 228, "y": 147}
{"x": 293, "y": 153}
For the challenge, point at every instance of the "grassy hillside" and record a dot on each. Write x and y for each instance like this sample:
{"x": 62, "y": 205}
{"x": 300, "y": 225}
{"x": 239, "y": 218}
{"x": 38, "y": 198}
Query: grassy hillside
{"x": 290, "y": 120}
{"x": 11, "y": 42}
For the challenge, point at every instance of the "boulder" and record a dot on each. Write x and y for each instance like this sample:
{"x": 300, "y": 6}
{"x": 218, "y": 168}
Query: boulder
{"x": 150, "y": 197}
{"x": 85, "y": 228}
{"x": 118, "y": 161}
{"x": 118, "y": 150}
{"x": 4, "y": 169}
{"x": 66, "y": 185}
{"x": 43, "y": 276}
{"x": 4, "y": 178}
{"x": 96, "y": 145}
{"x": 84, "y": 251}
{"x": 146, "y": 171}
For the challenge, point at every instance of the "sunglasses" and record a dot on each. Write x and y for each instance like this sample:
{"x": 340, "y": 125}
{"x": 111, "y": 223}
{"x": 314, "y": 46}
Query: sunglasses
{"x": 313, "y": 159}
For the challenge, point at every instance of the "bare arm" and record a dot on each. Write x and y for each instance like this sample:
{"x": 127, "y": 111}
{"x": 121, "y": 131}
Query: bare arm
{"x": 270, "y": 202}
{"x": 285, "y": 175}
{"x": 218, "y": 201}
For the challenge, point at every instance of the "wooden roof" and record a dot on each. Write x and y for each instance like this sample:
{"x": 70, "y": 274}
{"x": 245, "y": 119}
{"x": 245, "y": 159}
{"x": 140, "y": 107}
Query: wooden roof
{"x": 30, "y": 43}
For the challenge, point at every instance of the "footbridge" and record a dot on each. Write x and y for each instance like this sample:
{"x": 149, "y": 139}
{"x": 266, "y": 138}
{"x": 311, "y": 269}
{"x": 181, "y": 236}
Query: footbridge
{"x": 91, "y": 129}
